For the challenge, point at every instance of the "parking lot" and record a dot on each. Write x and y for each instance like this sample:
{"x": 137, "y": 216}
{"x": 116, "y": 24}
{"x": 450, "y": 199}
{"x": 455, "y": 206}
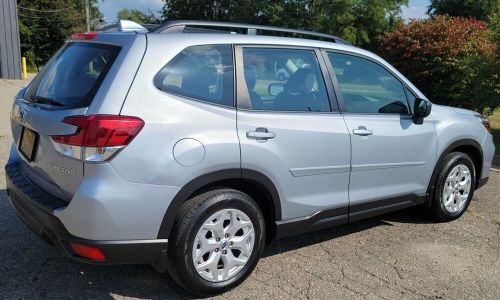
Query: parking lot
{"x": 400, "y": 255}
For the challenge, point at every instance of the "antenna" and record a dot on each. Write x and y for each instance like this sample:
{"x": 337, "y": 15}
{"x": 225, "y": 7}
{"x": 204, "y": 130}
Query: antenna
{"x": 127, "y": 25}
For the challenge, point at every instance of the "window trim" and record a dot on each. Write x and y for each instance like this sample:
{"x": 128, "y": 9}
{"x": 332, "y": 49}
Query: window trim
{"x": 407, "y": 89}
{"x": 342, "y": 106}
{"x": 243, "y": 97}
{"x": 233, "y": 105}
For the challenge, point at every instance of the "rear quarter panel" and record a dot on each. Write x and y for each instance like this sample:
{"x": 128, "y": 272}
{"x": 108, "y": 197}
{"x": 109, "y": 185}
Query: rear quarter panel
{"x": 113, "y": 90}
{"x": 169, "y": 119}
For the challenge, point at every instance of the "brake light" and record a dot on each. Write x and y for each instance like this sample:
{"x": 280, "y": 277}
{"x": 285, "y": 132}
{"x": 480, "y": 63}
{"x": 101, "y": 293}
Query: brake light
{"x": 101, "y": 130}
{"x": 89, "y": 252}
{"x": 97, "y": 136}
{"x": 84, "y": 35}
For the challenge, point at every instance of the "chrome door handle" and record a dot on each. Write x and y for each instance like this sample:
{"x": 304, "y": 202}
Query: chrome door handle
{"x": 260, "y": 134}
{"x": 362, "y": 131}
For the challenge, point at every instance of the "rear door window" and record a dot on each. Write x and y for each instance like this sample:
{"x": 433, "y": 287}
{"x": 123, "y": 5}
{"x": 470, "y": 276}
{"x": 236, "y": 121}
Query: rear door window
{"x": 200, "y": 72}
{"x": 73, "y": 76}
{"x": 281, "y": 79}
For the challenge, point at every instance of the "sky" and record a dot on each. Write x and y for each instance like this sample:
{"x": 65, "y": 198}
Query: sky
{"x": 110, "y": 8}
{"x": 416, "y": 8}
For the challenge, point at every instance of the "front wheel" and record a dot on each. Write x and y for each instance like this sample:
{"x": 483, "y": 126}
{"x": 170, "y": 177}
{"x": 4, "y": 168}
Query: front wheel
{"x": 218, "y": 239}
{"x": 454, "y": 187}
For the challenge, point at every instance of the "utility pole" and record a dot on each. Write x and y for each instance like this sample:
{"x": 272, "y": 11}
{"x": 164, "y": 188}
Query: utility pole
{"x": 87, "y": 15}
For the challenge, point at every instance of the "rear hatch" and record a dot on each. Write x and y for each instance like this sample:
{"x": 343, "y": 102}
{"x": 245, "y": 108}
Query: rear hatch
{"x": 77, "y": 80}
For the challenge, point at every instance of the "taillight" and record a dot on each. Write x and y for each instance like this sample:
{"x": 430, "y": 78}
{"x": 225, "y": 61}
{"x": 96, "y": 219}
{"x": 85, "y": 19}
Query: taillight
{"x": 485, "y": 122}
{"x": 89, "y": 252}
{"x": 97, "y": 137}
{"x": 84, "y": 35}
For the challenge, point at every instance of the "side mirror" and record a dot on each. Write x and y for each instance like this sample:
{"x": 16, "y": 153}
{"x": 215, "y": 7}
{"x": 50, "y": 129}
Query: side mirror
{"x": 421, "y": 109}
{"x": 275, "y": 88}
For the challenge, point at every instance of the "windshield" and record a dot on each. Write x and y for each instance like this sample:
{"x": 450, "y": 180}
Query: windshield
{"x": 73, "y": 75}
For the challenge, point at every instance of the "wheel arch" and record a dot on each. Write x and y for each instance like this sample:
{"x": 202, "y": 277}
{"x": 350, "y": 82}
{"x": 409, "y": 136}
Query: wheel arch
{"x": 467, "y": 146}
{"x": 255, "y": 184}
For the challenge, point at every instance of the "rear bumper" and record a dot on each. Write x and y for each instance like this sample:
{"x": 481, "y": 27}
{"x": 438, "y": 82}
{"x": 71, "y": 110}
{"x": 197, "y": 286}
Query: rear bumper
{"x": 35, "y": 207}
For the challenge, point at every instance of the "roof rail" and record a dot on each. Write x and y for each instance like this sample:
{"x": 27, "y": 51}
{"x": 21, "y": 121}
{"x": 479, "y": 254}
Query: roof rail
{"x": 208, "y": 26}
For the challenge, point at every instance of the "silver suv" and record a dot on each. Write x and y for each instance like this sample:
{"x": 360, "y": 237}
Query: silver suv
{"x": 179, "y": 146}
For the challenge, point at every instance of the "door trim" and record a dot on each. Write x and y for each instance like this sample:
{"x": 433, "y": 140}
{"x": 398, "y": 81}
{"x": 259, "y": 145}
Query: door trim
{"x": 299, "y": 172}
{"x": 367, "y": 167}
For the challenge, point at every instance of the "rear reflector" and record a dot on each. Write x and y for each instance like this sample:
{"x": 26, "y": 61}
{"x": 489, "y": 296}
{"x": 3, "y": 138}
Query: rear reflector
{"x": 101, "y": 131}
{"x": 89, "y": 252}
{"x": 84, "y": 35}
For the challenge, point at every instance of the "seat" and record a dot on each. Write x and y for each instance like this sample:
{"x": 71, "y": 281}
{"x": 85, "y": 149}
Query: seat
{"x": 197, "y": 83}
{"x": 295, "y": 96}
{"x": 250, "y": 79}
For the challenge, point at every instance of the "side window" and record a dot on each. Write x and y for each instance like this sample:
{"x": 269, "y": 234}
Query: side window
{"x": 284, "y": 80}
{"x": 201, "y": 72}
{"x": 367, "y": 87}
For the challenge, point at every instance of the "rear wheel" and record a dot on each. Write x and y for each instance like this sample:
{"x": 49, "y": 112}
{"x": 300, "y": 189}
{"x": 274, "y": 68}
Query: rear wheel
{"x": 454, "y": 187}
{"x": 217, "y": 241}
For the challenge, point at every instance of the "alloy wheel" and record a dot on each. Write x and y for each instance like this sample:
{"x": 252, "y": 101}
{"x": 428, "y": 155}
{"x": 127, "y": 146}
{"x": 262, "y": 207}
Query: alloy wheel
{"x": 457, "y": 188}
{"x": 223, "y": 245}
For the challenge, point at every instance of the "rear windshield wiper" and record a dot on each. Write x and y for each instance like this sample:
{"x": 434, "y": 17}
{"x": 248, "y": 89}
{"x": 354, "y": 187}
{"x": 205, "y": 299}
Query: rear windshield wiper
{"x": 45, "y": 100}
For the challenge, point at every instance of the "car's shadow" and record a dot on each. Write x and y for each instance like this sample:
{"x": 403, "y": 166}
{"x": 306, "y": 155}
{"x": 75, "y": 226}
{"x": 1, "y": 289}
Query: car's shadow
{"x": 30, "y": 268}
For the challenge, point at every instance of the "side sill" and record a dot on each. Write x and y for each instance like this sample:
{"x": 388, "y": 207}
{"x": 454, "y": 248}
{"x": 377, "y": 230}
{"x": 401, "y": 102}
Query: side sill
{"x": 370, "y": 208}
{"x": 345, "y": 214}
{"x": 368, "y": 213}
{"x": 320, "y": 220}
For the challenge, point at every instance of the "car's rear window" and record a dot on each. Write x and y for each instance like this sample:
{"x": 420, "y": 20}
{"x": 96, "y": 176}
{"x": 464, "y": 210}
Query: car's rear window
{"x": 73, "y": 76}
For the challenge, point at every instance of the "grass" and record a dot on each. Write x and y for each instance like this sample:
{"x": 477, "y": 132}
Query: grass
{"x": 495, "y": 129}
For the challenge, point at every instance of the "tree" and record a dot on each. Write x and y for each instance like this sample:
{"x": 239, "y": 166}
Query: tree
{"x": 45, "y": 25}
{"x": 447, "y": 58}
{"x": 486, "y": 85}
{"x": 359, "y": 21}
{"x": 138, "y": 16}
{"x": 478, "y": 9}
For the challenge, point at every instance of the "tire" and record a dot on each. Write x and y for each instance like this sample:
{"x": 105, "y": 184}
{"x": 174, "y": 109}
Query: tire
{"x": 191, "y": 238}
{"x": 453, "y": 193}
